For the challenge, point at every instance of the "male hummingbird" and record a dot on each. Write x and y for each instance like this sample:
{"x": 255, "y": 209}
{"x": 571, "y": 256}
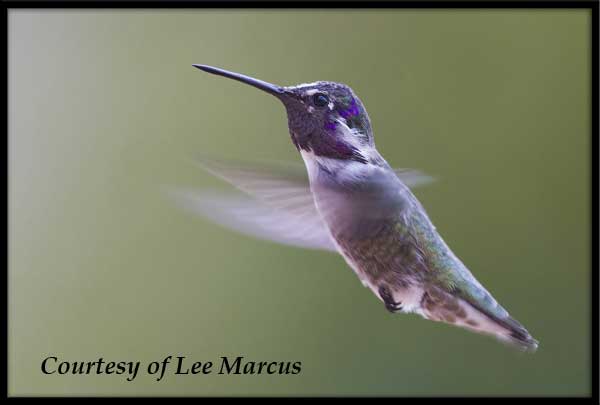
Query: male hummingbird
{"x": 355, "y": 204}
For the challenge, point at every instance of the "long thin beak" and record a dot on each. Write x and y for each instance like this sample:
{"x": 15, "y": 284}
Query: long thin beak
{"x": 259, "y": 84}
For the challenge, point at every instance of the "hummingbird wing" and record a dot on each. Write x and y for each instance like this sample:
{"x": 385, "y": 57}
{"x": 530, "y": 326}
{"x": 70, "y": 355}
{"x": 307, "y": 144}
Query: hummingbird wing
{"x": 413, "y": 178}
{"x": 299, "y": 226}
{"x": 281, "y": 207}
{"x": 250, "y": 177}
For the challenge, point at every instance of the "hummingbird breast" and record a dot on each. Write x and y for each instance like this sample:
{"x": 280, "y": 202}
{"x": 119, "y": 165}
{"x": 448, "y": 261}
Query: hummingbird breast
{"x": 384, "y": 253}
{"x": 370, "y": 222}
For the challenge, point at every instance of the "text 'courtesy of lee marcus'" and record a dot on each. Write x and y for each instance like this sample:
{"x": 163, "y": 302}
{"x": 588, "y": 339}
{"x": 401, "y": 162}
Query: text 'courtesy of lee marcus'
{"x": 175, "y": 365}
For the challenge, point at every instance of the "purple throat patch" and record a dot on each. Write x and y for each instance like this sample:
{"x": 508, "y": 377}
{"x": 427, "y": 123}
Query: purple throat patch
{"x": 352, "y": 110}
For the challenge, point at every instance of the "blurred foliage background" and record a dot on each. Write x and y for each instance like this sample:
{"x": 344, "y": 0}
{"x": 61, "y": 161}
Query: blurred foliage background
{"x": 105, "y": 110}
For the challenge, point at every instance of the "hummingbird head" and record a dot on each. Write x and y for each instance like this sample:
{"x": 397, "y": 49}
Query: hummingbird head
{"x": 324, "y": 118}
{"x": 328, "y": 120}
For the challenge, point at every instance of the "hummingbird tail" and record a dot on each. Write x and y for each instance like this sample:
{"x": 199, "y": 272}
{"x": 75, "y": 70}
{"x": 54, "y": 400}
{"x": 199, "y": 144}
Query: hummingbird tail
{"x": 442, "y": 306}
{"x": 518, "y": 336}
{"x": 511, "y": 331}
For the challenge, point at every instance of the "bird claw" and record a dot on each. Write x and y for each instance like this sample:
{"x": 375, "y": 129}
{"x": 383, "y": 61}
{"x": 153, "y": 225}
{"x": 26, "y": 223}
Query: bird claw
{"x": 388, "y": 300}
{"x": 394, "y": 307}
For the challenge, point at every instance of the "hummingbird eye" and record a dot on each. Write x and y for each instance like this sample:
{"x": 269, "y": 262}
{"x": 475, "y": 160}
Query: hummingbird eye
{"x": 320, "y": 100}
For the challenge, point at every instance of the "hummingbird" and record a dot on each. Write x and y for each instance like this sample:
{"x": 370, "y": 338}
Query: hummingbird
{"x": 347, "y": 199}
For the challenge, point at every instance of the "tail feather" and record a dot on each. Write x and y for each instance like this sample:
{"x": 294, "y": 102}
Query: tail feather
{"x": 441, "y": 306}
{"x": 517, "y": 335}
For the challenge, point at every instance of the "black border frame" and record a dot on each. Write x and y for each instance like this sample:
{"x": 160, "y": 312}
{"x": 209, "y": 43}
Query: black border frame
{"x": 591, "y": 5}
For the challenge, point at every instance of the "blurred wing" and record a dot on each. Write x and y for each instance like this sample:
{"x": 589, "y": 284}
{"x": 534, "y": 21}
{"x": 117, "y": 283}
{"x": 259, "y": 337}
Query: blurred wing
{"x": 413, "y": 178}
{"x": 280, "y": 186}
{"x": 281, "y": 209}
{"x": 301, "y": 226}
{"x": 253, "y": 177}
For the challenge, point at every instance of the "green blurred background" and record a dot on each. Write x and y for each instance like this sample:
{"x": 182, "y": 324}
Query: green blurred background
{"x": 105, "y": 110}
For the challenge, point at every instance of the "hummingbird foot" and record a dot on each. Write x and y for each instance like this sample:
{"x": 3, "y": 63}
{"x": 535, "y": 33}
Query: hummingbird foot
{"x": 388, "y": 300}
